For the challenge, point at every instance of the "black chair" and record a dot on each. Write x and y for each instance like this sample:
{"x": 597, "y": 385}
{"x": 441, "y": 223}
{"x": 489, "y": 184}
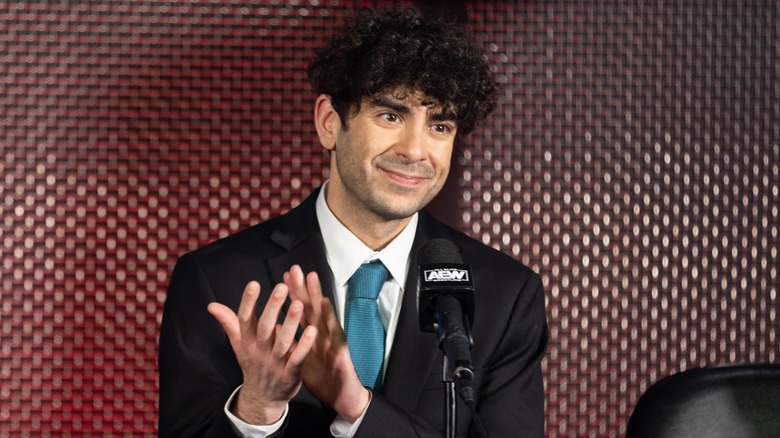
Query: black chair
{"x": 730, "y": 401}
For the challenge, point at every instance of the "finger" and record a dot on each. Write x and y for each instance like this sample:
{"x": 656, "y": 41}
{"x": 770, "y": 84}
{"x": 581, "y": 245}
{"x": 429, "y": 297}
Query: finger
{"x": 331, "y": 323}
{"x": 266, "y": 325}
{"x": 295, "y": 280}
{"x": 247, "y": 316}
{"x": 314, "y": 288}
{"x": 302, "y": 348}
{"x": 285, "y": 334}
{"x": 314, "y": 295}
{"x": 227, "y": 319}
{"x": 299, "y": 290}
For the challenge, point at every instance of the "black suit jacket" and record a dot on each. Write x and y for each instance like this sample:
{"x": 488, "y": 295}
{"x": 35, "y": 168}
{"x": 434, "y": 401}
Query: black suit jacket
{"x": 198, "y": 370}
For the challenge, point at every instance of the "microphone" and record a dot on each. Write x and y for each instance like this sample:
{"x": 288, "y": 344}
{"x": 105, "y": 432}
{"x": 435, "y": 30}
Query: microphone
{"x": 445, "y": 304}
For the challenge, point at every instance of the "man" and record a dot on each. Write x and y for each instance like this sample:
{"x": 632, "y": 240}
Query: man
{"x": 394, "y": 90}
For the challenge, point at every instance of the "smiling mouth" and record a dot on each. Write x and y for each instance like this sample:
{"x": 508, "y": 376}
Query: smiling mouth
{"x": 404, "y": 178}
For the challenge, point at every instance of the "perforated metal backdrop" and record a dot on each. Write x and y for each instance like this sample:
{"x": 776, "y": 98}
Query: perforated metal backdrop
{"x": 633, "y": 161}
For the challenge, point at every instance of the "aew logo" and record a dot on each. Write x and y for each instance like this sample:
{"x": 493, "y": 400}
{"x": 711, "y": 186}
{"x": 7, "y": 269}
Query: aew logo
{"x": 446, "y": 274}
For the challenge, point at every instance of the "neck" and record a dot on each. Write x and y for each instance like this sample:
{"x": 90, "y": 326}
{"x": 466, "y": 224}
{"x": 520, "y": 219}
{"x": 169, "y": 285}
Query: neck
{"x": 375, "y": 231}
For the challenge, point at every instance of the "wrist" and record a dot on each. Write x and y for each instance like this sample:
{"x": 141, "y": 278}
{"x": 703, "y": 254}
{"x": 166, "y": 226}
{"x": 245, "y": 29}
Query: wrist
{"x": 253, "y": 411}
{"x": 358, "y": 407}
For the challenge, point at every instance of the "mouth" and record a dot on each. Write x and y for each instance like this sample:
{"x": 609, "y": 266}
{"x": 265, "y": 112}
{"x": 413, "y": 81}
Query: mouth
{"x": 403, "y": 178}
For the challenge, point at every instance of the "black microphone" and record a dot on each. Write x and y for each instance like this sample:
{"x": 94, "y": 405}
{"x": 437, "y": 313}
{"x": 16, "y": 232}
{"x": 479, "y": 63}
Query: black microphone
{"x": 445, "y": 304}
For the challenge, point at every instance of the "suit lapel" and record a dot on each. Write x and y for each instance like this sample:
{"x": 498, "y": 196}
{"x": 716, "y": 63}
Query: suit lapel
{"x": 299, "y": 235}
{"x": 415, "y": 353}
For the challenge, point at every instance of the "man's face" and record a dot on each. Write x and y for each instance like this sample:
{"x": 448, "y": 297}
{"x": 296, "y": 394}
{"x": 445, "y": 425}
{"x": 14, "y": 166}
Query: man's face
{"x": 392, "y": 159}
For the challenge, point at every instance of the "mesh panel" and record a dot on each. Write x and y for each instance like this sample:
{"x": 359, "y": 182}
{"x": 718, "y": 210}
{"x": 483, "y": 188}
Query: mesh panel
{"x": 633, "y": 161}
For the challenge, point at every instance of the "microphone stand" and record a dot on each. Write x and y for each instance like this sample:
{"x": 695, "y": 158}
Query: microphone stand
{"x": 455, "y": 342}
{"x": 450, "y": 400}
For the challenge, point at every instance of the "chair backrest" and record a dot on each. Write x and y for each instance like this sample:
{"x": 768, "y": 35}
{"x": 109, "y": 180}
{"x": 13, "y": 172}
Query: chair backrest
{"x": 734, "y": 401}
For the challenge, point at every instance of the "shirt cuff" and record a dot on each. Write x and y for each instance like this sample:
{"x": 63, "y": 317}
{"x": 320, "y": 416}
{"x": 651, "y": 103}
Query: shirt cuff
{"x": 250, "y": 430}
{"x": 342, "y": 428}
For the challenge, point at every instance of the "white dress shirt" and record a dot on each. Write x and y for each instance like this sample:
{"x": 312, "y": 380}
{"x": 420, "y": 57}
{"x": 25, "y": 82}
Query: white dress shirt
{"x": 345, "y": 253}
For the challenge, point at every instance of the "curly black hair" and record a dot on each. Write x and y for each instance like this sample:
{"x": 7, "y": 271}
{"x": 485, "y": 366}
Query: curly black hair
{"x": 401, "y": 50}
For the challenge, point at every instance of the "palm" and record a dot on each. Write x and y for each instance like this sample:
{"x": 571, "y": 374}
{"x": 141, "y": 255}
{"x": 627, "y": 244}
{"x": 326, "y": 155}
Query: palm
{"x": 327, "y": 372}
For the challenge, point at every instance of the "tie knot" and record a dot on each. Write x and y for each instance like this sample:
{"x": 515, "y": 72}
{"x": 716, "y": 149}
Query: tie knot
{"x": 367, "y": 281}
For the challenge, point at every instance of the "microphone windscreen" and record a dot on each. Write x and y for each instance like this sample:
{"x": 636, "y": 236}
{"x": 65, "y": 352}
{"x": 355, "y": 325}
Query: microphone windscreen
{"x": 438, "y": 251}
{"x": 442, "y": 272}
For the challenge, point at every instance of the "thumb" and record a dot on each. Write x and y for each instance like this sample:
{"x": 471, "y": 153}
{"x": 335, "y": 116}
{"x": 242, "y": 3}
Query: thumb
{"x": 227, "y": 319}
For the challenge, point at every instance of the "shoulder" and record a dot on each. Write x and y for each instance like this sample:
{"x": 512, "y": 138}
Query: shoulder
{"x": 265, "y": 239}
{"x": 221, "y": 269}
{"x": 493, "y": 266}
{"x": 482, "y": 258}
{"x": 252, "y": 240}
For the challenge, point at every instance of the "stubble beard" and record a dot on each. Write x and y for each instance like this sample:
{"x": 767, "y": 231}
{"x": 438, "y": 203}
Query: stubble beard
{"x": 383, "y": 206}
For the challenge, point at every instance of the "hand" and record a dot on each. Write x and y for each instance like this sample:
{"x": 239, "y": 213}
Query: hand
{"x": 270, "y": 358}
{"x": 328, "y": 372}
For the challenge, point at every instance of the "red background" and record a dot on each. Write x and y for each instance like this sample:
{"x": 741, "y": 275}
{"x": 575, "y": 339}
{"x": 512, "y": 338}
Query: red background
{"x": 632, "y": 161}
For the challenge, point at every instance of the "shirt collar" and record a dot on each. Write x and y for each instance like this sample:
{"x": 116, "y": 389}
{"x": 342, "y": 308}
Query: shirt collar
{"x": 345, "y": 252}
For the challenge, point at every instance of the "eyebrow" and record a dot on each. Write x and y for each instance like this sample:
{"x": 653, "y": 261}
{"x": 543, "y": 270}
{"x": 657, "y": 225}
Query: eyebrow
{"x": 443, "y": 116}
{"x": 384, "y": 102}
{"x": 436, "y": 115}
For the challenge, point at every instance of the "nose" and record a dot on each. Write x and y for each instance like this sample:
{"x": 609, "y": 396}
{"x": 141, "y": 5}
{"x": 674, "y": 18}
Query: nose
{"x": 411, "y": 145}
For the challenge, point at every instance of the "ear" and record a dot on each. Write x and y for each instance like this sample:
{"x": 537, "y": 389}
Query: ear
{"x": 327, "y": 121}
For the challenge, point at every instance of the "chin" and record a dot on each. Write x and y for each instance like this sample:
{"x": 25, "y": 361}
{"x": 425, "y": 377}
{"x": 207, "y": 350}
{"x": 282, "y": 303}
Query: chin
{"x": 397, "y": 212}
{"x": 396, "y": 205}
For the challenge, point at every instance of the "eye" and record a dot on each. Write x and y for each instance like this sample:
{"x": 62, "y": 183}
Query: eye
{"x": 390, "y": 117}
{"x": 442, "y": 128}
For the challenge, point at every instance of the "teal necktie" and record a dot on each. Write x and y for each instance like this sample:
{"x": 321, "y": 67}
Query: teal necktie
{"x": 363, "y": 325}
